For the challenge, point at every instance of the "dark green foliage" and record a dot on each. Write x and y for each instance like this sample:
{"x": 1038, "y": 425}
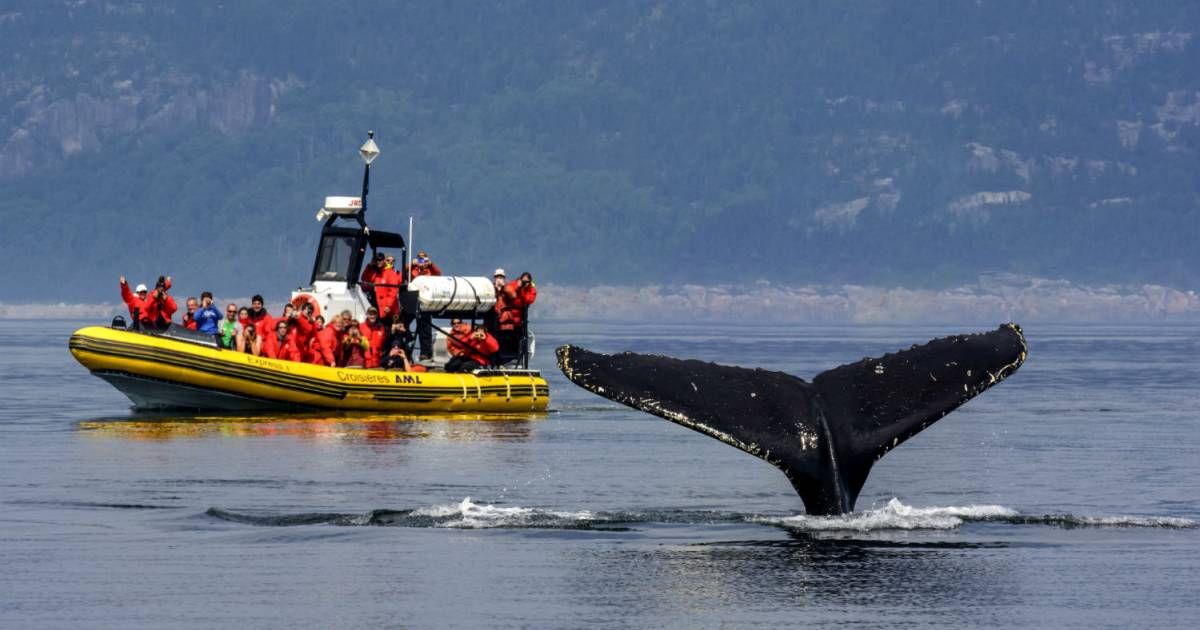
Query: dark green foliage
{"x": 617, "y": 142}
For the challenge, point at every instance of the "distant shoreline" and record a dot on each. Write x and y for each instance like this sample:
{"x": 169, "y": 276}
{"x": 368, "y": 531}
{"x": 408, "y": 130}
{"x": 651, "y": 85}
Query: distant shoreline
{"x": 1014, "y": 298}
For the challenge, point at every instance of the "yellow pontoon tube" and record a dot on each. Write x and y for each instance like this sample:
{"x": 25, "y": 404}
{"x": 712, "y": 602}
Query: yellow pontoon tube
{"x": 160, "y": 371}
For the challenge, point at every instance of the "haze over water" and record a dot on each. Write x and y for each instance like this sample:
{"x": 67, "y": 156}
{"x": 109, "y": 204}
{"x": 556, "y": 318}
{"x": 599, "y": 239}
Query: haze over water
{"x": 1066, "y": 496}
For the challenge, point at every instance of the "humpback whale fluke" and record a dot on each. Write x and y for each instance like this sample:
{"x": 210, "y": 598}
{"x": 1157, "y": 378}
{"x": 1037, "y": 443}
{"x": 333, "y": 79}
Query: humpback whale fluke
{"x": 824, "y": 435}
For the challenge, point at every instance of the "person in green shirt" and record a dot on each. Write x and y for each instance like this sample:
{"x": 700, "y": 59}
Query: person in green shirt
{"x": 229, "y": 326}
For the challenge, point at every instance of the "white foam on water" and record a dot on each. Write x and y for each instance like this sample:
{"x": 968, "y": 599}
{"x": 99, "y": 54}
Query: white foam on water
{"x": 473, "y": 515}
{"x": 360, "y": 520}
{"x": 1137, "y": 521}
{"x": 894, "y": 515}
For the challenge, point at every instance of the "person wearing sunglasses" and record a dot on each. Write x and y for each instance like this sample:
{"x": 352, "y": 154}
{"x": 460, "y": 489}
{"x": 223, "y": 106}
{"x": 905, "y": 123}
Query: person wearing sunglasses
{"x": 229, "y": 326}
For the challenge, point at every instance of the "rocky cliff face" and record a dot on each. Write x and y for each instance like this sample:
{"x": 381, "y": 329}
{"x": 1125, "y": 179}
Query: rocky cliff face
{"x": 877, "y": 143}
{"x": 49, "y": 130}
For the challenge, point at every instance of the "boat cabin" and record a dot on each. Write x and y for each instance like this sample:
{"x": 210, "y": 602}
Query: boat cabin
{"x": 348, "y": 244}
{"x": 341, "y": 254}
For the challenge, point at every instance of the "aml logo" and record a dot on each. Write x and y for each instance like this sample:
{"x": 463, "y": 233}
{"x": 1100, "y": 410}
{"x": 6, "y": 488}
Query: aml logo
{"x": 408, "y": 378}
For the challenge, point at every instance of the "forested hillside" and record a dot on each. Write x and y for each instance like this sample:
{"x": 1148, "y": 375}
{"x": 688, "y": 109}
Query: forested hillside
{"x": 915, "y": 143}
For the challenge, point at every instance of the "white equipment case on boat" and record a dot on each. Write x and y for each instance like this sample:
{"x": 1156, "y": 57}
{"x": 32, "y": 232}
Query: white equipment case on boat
{"x": 453, "y": 293}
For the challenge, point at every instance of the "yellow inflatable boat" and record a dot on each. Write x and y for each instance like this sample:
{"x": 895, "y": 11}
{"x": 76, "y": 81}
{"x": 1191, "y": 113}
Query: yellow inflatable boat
{"x": 179, "y": 369}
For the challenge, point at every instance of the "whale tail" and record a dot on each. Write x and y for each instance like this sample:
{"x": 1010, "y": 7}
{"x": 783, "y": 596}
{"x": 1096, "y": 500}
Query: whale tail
{"x": 824, "y": 435}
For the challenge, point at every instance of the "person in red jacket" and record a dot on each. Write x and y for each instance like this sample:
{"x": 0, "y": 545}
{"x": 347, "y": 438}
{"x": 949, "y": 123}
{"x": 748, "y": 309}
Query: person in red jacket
{"x": 288, "y": 309}
{"x": 370, "y": 276}
{"x": 259, "y": 316}
{"x": 375, "y": 332}
{"x": 275, "y": 342}
{"x": 519, "y": 296}
{"x": 422, "y": 265}
{"x": 513, "y": 300}
{"x": 387, "y": 288}
{"x": 189, "y": 318}
{"x": 481, "y": 347}
{"x": 135, "y": 300}
{"x": 460, "y": 332}
{"x": 280, "y": 343}
{"x": 303, "y": 330}
{"x": 313, "y": 350}
{"x": 327, "y": 348}
{"x": 160, "y": 306}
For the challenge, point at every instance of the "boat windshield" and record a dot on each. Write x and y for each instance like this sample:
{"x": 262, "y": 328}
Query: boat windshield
{"x": 333, "y": 261}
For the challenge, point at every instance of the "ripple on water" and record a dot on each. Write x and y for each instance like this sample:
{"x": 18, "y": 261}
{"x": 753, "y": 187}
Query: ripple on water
{"x": 467, "y": 514}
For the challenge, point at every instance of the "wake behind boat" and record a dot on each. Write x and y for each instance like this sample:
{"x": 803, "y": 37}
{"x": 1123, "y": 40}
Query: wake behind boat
{"x": 163, "y": 365}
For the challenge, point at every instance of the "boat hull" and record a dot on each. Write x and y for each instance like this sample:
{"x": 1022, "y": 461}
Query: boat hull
{"x": 157, "y": 372}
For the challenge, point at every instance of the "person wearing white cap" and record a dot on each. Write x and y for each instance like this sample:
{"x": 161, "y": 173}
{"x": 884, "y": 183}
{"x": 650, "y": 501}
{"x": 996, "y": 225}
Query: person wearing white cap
{"x": 489, "y": 318}
{"x": 135, "y": 300}
{"x": 498, "y": 281}
{"x": 511, "y": 312}
{"x": 149, "y": 309}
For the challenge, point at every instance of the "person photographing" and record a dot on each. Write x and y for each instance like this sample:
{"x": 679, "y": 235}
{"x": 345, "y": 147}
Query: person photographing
{"x": 159, "y": 306}
{"x": 479, "y": 348}
{"x": 511, "y": 313}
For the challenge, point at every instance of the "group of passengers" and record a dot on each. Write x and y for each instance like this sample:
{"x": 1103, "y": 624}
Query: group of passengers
{"x": 501, "y": 332}
{"x": 382, "y": 340}
{"x": 301, "y": 335}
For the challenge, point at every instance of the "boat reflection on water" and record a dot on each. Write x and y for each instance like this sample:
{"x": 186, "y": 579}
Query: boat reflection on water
{"x": 347, "y": 426}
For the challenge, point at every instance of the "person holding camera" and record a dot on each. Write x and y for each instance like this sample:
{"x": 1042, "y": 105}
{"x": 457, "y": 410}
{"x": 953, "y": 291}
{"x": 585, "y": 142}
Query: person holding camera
{"x": 511, "y": 313}
{"x": 303, "y": 329}
{"x": 159, "y": 305}
{"x": 480, "y": 347}
{"x": 398, "y": 336}
{"x": 397, "y": 353}
{"x": 208, "y": 317}
{"x": 354, "y": 348}
{"x": 249, "y": 341}
{"x": 422, "y": 265}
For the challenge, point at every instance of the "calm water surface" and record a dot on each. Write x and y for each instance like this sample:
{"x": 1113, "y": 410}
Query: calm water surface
{"x": 1068, "y": 496}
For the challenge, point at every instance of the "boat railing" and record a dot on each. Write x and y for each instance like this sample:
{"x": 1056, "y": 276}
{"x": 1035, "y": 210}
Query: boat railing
{"x": 506, "y": 372}
{"x": 177, "y": 332}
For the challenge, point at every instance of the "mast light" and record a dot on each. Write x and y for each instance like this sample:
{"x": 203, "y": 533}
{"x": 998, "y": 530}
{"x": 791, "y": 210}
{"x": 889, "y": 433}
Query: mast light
{"x": 369, "y": 150}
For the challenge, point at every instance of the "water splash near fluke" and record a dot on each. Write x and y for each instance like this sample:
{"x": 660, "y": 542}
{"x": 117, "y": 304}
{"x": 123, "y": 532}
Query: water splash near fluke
{"x": 895, "y": 515}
